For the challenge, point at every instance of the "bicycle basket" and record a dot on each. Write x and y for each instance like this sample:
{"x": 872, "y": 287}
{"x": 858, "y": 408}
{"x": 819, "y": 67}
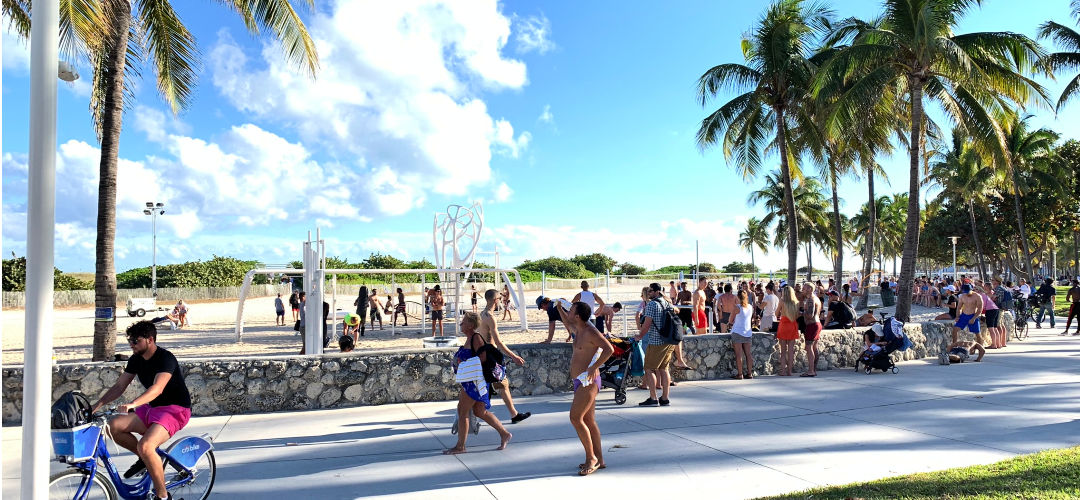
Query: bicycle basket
{"x": 76, "y": 444}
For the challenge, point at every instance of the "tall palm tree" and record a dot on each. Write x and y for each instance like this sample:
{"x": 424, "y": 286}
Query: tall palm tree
{"x": 1025, "y": 151}
{"x": 966, "y": 178}
{"x": 1069, "y": 59}
{"x": 811, "y": 210}
{"x": 101, "y": 32}
{"x": 756, "y": 234}
{"x": 915, "y": 48}
{"x": 773, "y": 85}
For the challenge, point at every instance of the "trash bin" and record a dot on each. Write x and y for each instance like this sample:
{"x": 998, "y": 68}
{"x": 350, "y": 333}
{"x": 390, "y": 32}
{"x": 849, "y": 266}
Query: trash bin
{"x": 888, "y": 298}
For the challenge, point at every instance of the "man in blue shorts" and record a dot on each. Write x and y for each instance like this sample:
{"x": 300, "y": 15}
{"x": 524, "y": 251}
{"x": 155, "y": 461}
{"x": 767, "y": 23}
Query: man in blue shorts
{"x": 969, "y": 307}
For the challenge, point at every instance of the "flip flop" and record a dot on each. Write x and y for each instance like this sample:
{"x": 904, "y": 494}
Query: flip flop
{"x": 585, "y": 471}
{"x": 600, "y": 466}
{"x": 683, "y": 368}
{"x": 808, "y": 375}
{"x": 737, "y": 377}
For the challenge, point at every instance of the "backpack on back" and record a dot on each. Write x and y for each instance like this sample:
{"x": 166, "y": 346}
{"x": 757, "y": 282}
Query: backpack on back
{"x": 671, "y": 329}
{"x": 70, "y": 411}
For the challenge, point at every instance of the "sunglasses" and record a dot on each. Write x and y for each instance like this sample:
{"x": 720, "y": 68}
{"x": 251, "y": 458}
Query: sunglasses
{"x": 134, "y": 340}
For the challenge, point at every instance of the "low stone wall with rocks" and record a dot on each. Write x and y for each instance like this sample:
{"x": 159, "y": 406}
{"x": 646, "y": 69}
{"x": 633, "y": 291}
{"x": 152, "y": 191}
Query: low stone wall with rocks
{"x": 229, "y": 386}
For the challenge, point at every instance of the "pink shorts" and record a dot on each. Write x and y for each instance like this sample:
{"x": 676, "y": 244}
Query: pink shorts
{"x": 171, "y": 417}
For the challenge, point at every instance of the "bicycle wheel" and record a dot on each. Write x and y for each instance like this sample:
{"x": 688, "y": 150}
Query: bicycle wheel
{"x": 1021, "y": 326}
{"x": 64, "y": 485}
{"x": 198, "y": 488}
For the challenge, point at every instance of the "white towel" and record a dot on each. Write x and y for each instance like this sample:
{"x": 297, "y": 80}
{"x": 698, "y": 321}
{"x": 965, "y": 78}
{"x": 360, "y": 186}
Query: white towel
{"x": 470, "y": 370}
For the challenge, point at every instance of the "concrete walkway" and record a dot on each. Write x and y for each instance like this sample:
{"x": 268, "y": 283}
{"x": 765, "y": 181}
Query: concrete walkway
{"x": 726, "y": 439}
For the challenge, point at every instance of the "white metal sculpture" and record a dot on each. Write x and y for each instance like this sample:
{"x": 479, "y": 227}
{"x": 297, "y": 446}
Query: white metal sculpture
{"x": 458, "y": 230}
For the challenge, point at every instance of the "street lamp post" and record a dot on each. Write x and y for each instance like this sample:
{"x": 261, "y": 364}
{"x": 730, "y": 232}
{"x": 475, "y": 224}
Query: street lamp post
{"x": 954, "y": 238}
{"x": 153, "y": 210}
{"x": 41, "y": 225}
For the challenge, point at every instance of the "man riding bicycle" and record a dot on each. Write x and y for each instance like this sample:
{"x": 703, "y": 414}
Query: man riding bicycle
{"x": 159, "y": 412}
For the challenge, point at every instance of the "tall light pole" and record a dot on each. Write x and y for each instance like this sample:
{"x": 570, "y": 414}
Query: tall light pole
{"x": 153, "y": 210}
{"x": 41, "y": 229}
{"x": 954, "y": 238}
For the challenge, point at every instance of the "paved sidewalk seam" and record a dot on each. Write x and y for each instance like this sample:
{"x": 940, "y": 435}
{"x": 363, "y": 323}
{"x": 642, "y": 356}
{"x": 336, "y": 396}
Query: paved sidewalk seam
{"x": 456, "y": 457}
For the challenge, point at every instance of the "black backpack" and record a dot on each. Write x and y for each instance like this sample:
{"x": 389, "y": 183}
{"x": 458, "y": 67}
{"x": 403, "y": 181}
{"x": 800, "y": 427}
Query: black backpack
{"x": 70, "y": 411}
{"x": 671, "y": 329}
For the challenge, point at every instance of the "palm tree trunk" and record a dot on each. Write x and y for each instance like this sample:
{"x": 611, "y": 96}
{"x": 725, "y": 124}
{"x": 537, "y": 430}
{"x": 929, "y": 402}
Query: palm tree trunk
{"x": 1076, "y": 254}
{"x": 809, "y": 262}
{"x": 1026, "y": 258}
{"x": 789, "y": 196}
{"x": 911, "y": 234}
{"x": 752, "y": 264}
{"x": 838, "y": 234}
{"x": 975, "y": 235}
{"x": 868, "y": 261}
{"x": 105, "y": 270}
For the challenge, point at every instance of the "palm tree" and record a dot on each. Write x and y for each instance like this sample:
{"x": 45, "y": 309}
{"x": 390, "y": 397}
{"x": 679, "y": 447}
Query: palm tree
{"x": 1025, "y": 150}
{"x": 1069, "y": 40}
{"x": 811, "y": 210}
{"x": 966, "y": 179}
{"x": 100, "y": 31}
{"x": 773, "y": 85}
{"x": 756, "y": 234}
{"x": 914, "y": 47}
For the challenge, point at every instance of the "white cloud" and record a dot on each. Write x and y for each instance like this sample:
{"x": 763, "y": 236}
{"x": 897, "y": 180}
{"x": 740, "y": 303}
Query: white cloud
{"x": 503, "y": 192}
{"x": 398, "y": 90}
{"x": 533, "y": 34}
{"x": 16, "y": 52}
{"x": 546, "y": 116}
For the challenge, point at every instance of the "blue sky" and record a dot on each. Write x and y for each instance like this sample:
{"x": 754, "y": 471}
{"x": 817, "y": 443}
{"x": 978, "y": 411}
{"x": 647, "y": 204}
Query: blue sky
{"x": 572, "y": 122}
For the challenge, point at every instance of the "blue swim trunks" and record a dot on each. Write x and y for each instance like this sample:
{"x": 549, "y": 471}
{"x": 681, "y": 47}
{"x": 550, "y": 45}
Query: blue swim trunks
{"x": 962, "y": 322}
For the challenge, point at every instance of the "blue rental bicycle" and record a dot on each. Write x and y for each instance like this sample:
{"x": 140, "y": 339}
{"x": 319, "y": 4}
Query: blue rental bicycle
{"x": 189, "y": 464}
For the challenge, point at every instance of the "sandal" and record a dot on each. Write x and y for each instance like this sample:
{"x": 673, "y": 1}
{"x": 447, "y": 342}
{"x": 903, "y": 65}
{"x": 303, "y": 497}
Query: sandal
{"x": 737, "y": 377}
{"x": 599, "y": 466}
{"x": 585, "y": 471}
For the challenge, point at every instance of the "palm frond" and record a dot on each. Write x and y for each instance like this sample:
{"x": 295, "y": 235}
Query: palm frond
{"x": 720, "y": 120}
{"x": 18, "y": 14}
{"x": 281, "y": 19}
{"x": 172, "y": 50}
{"x": 80, "y": 28}
{"x": 725, "y": 76}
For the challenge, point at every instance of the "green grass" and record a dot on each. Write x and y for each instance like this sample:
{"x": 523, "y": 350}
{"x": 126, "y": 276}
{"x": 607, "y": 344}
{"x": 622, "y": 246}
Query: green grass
{"x": 1061, "y": 306}
{"x": 1053, "y": 474}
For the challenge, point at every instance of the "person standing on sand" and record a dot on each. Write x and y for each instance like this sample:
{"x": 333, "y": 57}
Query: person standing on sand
{"x": 362, "y": 303}
{"x": 294, "y": 303}
{"x": 279, "y": 308}
{"x": 591, "y": 350}
{"x": 474, "y": 393}
{"x": 489, "y": 331}
{"x": 399, "y": 308}
{"x": 506, "y": 304}
{"x": 376, "y": 308}
{"x": 436, "y": 301}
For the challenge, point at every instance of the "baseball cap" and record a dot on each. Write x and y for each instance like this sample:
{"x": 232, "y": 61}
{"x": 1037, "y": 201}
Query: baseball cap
{"x": 834, "y": 293}
{"x": 966, "y": 288}
{"x": 539, "y": 301}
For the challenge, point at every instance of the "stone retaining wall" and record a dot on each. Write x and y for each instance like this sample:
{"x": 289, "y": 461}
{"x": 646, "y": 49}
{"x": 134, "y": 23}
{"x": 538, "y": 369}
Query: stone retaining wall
{"x": 228, "y": 386}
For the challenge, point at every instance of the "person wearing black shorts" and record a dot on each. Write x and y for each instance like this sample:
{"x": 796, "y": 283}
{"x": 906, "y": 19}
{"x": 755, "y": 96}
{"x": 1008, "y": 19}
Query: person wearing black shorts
{"x": 545, "y": 304}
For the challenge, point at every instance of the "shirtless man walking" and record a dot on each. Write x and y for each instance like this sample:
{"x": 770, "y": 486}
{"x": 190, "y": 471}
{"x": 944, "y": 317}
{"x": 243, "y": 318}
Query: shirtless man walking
{"x": 728, "y": 307}
{"x": 701, "y": 321}
{"x": 969, "y": 307}
{"x": 591, "y": 350}
{"x": 489, "y": 330}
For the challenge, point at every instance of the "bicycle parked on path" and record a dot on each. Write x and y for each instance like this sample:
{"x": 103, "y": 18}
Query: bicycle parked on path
{"x": 1022, "y": 315}
{"x": 190, "y": 468}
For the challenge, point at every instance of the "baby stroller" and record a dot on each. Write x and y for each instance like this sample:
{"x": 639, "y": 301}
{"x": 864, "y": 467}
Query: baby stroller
{"x": 891, "y": 332}
{"x": 616, "y": 370}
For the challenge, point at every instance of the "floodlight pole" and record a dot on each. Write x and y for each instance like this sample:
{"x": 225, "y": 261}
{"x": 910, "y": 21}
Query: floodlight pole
{"x": 41, "y": 225}
{"x": 954, "y": 238}
{"x": 153, "y": 210}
